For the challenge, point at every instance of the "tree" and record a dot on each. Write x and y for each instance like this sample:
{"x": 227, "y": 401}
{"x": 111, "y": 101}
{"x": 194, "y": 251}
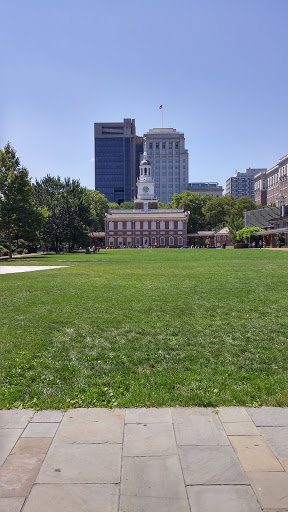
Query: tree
{"x": 98, "y": 205}
{"x": 127, "y": 205}
{"x": 69, "y": 207}
{"x": 194, "y": 204}
{"x": 19, "y": 214}
{"x": 247, "y": 234}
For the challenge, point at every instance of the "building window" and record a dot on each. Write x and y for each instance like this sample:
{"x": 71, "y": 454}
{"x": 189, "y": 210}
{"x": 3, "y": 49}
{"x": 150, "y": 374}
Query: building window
{"x": 162, "y": 240}
{"x": 128, "y": 225}
{"x": 153, "y": 241}
{"x": 111, "y": 225}
{"x": 150, "y": 146}
{"x": 137, "y": 225}
{"x": 153, "y": 224}
{"x": 170, "y": 145}
{"x": 145, "y": 225}
{"x": 162, "y": 224}
{"x": 171, "y": 240}
{"x": 111, "y": 242}
{"x": 129, "y": 242}
{"x": 171, "y": 224}
{"x": 120, "y": 225}
{"x": 180, "y": 224}
{"x": 120, "y": 242}
{"x": 137, "y": 242}
{"x": 180, "y": 240}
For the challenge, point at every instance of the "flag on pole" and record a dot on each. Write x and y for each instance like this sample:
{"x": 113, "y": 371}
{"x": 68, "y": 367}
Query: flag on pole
{"x": 160, "y": 108}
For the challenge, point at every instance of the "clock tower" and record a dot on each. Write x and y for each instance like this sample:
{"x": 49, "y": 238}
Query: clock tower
{"x": 145, "y": 185}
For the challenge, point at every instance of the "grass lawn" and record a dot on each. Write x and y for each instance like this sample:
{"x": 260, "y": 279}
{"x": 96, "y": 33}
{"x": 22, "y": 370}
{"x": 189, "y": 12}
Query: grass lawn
{"x": 146, "y": 328}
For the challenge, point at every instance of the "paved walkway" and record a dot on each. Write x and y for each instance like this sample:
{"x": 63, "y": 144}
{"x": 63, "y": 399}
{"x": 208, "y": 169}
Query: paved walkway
{"x": 137, "y": 460}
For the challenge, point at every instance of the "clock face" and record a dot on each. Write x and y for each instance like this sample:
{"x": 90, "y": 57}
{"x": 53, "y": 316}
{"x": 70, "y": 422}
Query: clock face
{"x": 145, "y": 189}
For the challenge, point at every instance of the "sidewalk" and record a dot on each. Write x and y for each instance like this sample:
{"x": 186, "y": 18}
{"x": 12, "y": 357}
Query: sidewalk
{"x": 157, "y": 460}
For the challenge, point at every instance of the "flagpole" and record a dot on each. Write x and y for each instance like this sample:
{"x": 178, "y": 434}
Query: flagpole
{"x": 162, "y": 116}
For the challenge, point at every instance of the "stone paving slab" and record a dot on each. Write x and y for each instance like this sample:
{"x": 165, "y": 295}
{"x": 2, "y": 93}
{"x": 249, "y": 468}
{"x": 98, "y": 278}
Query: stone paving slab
{"x": 143, "y": 415}
{"x": 15, "y": 418}
{"x": 222, "y": 498}
{"x": 269, "y": 416}
{"x": 133, "y": 460}
{"x": 254, "y": 454}
{"x": 182, "y": 414}
{"x": 153, "y": 477}
{"x": 203, "y": 465}
{"x": 40, "y": 430}
{"x": 271, "y": 489}
{"x": 277, "y": 439}
{"x": 149, "y": 439}
{"x": 233, "y": 414}
{"x": 11, "y": 504}
{"x": 241, "y": 428}
{"x": 201, "y": 430}
{"x": 8, "y": 438}
{"x": 82, "y": 463}
{"x": 91, "y": 426}
{"x": 150, "y": 504}
{"x": 73, "y": 498}
{"x": 47, "y": 417}
{"x": 284, "y": 463}
{"x": 31, "y": 446}
{"x": 18, "y": 474}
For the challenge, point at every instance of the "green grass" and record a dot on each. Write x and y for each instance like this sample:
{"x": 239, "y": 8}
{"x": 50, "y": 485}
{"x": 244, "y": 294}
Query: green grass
{"x": 146, "y": 328}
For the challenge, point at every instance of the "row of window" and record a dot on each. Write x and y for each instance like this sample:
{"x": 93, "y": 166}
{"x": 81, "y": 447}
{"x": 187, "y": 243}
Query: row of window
{"x": 139, "y": 242}
{"x": 145, "y": 224}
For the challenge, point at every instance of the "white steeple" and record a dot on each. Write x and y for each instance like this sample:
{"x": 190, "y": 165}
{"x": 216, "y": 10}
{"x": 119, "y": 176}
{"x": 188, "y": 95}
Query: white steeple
{"x": 145, "y": 183}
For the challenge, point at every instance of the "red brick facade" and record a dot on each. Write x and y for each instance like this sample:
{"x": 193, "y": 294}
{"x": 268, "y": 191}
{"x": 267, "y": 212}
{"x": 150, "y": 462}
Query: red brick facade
{"x": 161, "y": 228}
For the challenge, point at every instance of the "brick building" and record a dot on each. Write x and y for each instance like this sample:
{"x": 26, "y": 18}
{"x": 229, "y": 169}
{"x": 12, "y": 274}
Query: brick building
{"x": 146, "y": 225}
{"x": 271, "y": 187}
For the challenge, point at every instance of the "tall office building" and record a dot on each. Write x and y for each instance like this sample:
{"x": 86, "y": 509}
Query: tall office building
{"x": 242, "y": 183}
{"x": 117, "y": 156}
{"x": 169, "y": 160}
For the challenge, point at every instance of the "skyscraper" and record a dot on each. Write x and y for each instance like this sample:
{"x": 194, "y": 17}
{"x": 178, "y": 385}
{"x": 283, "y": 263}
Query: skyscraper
{"x": 169, "y": 160}
{"x": 117, "y": 153}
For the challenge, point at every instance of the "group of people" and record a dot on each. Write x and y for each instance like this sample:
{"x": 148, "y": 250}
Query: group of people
{"x": 260, "y": 244}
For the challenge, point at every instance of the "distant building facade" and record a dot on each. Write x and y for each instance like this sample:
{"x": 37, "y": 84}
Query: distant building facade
{"x": 146, "y": 225}
{"x": 271, "y": 186}
{"x": 242, "y": 183}
{"x": 117, "y": 156}
{"x": 212, "y": 188}
{"x": 169, "y": 160}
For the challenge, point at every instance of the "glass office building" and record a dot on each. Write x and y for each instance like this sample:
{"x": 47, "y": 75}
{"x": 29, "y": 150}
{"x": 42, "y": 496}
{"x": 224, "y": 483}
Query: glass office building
{"x": 117, "y": 151}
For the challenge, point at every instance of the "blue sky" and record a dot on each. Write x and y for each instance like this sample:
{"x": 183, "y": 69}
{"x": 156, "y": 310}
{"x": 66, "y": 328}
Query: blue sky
{"x": 218, "y": 67}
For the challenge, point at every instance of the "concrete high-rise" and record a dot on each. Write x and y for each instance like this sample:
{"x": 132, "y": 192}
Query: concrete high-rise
{"x": 169, "y": 160}
{"x": 242, "y": 183}
{"x": 117, "y": 156}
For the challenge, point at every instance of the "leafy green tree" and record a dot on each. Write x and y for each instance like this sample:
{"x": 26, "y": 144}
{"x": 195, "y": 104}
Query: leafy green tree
{"x": 194, "y": 204}
{"x": 127, "y": 205}
{"x": 69, "y": 208}
{"x": 98, "y": 205}
{"x": 113, "y": 206}
{"x": 19, "y": 214}
{"x": 247, "y": 234}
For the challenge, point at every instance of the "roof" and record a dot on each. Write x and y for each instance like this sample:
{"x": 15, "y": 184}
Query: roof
{"x": 145, "y": 162}
{"x": 272, "y": 231}
{"x": 202, "y": 233}
{"x": 154, "y": 215}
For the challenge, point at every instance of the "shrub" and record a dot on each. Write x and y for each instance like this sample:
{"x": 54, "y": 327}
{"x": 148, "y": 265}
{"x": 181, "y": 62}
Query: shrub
{"x": 3, "y": 251}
